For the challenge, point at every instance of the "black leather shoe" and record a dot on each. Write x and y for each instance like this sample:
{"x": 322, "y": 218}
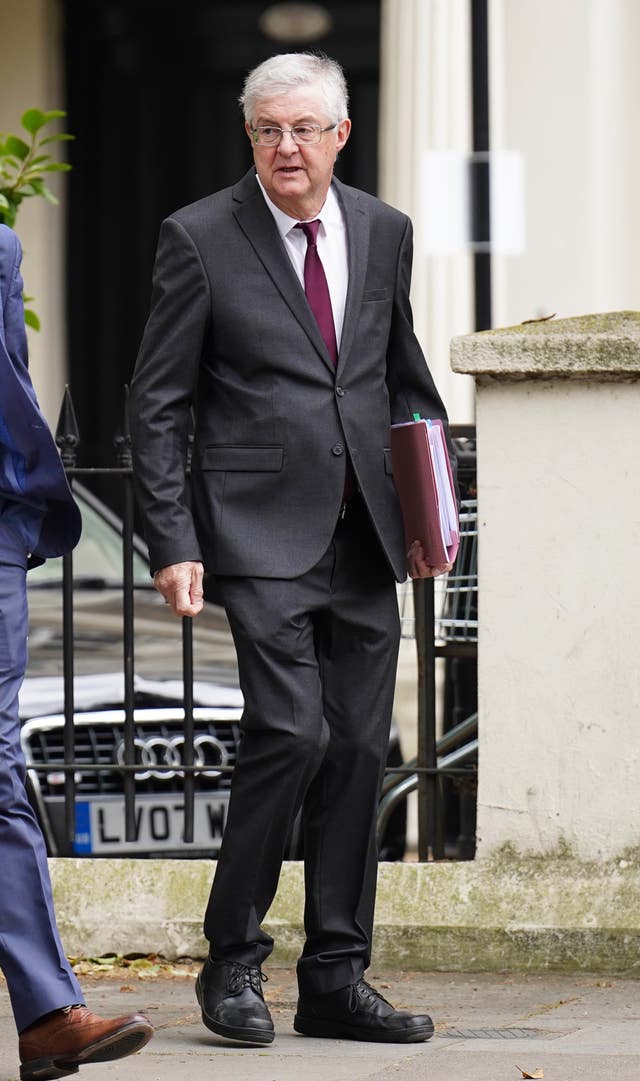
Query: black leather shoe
{"x": 359, "y": 1012}
{"x": 232, "y": 1004}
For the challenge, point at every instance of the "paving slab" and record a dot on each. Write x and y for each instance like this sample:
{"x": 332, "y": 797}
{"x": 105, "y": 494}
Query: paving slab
{"x": 488, "y": 1028}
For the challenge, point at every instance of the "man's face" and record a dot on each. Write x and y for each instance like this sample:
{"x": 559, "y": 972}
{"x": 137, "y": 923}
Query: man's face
{"x": 297, "y": 178}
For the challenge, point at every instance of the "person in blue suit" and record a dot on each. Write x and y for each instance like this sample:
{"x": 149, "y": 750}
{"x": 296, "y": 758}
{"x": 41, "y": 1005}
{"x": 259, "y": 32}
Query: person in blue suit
{"x": 38, "y": 518}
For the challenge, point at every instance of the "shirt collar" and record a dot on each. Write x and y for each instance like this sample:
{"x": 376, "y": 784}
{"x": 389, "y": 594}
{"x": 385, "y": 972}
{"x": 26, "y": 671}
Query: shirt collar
{"x": 329, "y": 213}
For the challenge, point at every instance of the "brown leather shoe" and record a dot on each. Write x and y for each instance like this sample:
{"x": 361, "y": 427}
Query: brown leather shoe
{"x": 61, "y": 1041}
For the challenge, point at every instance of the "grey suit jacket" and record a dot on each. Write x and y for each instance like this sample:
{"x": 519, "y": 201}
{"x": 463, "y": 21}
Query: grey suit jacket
{"x": 231, "y": 333}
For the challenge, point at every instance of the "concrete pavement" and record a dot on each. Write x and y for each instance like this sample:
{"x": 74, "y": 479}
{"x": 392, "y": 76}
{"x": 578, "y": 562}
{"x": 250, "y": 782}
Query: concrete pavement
{"x": 574, "y": 1028}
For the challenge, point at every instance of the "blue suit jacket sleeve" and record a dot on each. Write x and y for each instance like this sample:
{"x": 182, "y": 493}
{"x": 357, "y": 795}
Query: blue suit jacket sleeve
{"x": 35, "y": 499}
{"x": 13, "y": 328}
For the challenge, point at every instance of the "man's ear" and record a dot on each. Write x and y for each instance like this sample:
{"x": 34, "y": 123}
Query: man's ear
{"x": 247, "y": 128}
{"x": 343, "y": 131}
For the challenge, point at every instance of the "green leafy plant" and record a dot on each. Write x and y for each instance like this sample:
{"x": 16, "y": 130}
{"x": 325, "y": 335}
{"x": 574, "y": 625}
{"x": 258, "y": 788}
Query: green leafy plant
{"x": 24, "y": 164}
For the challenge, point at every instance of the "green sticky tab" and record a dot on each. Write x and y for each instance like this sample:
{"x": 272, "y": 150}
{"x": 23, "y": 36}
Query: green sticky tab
{"x": 416, "y": 416}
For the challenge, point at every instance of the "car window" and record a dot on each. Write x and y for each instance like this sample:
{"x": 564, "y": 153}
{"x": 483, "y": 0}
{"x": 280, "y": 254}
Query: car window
{"x": 98, "y": 554}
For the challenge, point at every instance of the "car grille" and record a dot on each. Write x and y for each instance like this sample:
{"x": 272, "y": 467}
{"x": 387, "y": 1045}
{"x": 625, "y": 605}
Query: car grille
{"x": 158, "y": 744}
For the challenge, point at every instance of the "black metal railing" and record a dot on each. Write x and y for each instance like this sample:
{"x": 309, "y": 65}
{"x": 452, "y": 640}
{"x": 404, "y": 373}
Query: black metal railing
{"x": 452, "y": 756}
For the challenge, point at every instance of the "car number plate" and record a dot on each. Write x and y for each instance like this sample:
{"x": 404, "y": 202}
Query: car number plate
{"x": 159, "y": 824}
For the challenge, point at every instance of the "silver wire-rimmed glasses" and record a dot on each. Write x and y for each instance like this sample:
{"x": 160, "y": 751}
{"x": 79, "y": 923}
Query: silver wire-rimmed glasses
{"x": 302, "y": 134}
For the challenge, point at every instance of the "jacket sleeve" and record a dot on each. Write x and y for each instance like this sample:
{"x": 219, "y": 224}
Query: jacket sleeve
{"x": 13, "y": 464}
{"x": 411, "y": 385}
{"x": 15, "y": 335}
{"x": 162, "y": 391}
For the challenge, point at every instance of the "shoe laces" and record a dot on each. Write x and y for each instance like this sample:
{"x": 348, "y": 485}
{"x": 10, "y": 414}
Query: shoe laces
{"x": 242, "y": 976}
{"x": 364, "y": 990}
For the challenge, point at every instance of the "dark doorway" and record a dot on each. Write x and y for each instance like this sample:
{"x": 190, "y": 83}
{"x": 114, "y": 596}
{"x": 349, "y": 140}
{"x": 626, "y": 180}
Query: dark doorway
{"x": 152, "y": 92}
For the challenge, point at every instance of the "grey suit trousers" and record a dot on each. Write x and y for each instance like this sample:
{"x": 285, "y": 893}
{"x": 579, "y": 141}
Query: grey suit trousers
{"x": 317, "y": 658}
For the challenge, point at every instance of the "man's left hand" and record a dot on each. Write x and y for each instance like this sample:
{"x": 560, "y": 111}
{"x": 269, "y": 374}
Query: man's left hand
{"x": 418, "y": 567}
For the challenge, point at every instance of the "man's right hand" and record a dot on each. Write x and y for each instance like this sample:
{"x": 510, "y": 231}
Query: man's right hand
{"x": 418, "y": 567}
{"x": 181, "y": 587}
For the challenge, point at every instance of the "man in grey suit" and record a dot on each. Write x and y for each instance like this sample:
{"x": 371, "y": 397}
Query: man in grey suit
{"x": 280, "y": 313}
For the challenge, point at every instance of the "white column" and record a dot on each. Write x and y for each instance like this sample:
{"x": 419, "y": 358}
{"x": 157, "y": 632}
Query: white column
{"x": 31, "y": 37}
{"x": 426, "y": 104}
{"x": 615, "y": 152}
{"x": 565, "y": 81}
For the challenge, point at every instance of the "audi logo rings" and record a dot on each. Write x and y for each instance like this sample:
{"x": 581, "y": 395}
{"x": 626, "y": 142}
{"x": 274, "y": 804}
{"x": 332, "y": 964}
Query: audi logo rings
{"x": 162, "y": 757}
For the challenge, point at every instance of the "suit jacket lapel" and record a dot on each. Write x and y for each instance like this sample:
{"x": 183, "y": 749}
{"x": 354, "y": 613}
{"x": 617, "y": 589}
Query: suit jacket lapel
{"x": 357, "y": 225}
{"x": 256, "y": 222}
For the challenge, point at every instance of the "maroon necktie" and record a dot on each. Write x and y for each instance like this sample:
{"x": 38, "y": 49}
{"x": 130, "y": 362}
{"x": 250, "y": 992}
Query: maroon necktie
{"x": 316, "y": 288}
{"x": 317, "y": 291}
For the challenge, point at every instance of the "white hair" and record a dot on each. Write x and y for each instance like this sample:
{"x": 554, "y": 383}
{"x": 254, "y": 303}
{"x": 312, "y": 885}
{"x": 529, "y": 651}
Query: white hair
{"x": 288, "y": 71}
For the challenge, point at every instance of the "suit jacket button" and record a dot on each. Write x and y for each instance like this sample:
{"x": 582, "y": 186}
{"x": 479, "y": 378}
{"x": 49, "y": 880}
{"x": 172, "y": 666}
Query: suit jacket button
{"x": 340, "y": 392}
{"x": 338, "y": 449}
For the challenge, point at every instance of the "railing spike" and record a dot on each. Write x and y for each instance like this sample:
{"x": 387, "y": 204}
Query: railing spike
{"x": 67, "y": 431}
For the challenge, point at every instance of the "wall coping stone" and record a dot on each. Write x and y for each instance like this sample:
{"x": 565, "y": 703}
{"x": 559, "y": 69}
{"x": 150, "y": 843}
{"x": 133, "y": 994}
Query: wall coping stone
{"x": 604, "y": 346}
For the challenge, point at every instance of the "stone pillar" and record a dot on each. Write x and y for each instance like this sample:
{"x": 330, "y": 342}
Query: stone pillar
{"x": 558, "y": 419}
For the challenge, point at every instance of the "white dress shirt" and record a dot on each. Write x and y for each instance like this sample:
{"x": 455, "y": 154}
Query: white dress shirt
{"x": 332, "y": 249}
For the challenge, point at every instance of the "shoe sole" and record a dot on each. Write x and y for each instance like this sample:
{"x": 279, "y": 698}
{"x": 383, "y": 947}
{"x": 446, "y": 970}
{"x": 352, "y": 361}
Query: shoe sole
{"x": 257, "y": 1036}
{"x": 340, "y": 1030}
{"x": 44, "y": 1070}
{"x": 126, "y": 1041}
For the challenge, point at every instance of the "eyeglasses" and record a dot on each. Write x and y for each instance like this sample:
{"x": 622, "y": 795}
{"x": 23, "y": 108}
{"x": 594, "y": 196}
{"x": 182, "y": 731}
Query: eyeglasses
{"x": 270, "y": 135}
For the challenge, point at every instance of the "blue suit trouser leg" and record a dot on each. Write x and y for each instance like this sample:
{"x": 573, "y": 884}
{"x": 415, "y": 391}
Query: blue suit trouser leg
{"x": 32, "y": 959}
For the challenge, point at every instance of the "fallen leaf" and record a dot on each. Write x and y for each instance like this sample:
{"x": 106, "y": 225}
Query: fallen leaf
{"x": 134, "y": 966}
{"x": 126, "y": 989}
{"x": 526, "y": 1073}
{"x": 142, "y": 963}
{"x": 540, "y": 319}
{"x": 83, "y": 968}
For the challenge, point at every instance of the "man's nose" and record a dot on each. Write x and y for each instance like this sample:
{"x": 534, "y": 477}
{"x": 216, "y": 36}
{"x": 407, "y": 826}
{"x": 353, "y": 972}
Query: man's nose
{"x": 287, "y": 145}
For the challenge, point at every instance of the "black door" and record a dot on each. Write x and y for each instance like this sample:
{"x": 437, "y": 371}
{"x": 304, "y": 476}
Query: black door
{"x": 152, "y": 91}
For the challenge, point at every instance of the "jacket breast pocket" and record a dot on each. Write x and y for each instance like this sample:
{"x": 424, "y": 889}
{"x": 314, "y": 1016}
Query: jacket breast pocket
{"x": 374, "y": 294}
{"x": 242, "y": 459}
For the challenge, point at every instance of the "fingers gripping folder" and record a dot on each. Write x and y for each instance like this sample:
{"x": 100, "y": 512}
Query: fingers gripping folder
{"x": 424, "y": 482}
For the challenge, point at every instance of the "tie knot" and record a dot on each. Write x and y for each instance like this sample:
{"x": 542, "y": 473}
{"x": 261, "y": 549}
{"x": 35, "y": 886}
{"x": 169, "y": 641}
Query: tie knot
{"x": 310, "y": 230}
